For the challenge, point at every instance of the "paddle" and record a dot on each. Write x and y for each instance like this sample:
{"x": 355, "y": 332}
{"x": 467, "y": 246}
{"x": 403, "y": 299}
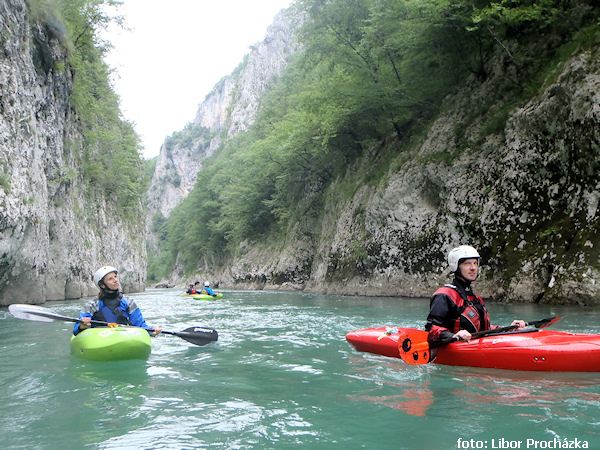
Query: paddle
{"x": 415, "y": 348}
{"x": 194, "y": 335}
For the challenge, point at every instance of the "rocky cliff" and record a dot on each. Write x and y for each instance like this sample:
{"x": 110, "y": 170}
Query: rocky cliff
{"x": 228, "y": 109}
{"x": 520, "y": 183}
{"x": 54, "y": 231}
{"x": 526, "y": 196}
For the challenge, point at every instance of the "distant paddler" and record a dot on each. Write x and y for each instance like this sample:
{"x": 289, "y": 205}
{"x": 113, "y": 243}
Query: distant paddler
{"x": 206, "y": 290}
{"x": 191, "y": 290}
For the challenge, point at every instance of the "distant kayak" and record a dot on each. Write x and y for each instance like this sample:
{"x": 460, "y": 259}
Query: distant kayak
{"x": 208, "y": 297}
{"x": 541, "y": 350}
{"x": 112, "y": 344}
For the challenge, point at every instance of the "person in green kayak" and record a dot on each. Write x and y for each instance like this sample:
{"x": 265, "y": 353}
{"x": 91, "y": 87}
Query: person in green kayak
{"x": 455, "y": 311}
{"x": 110, "y": 305}
{"x": 207, "y": 290}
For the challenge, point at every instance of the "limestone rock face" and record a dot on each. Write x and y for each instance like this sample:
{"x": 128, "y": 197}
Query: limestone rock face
{"x": 51, "y": 240}
{"x": 527, "y": 198}
{"x": 525, "y": 194}
{"x": 228, "y": 109}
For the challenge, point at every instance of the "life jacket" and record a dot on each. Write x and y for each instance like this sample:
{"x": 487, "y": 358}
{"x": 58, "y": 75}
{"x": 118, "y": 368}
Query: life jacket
{"x": 466, "y": 309}
{"x": 106, "y": 314}
{"x": 204, "y": 292}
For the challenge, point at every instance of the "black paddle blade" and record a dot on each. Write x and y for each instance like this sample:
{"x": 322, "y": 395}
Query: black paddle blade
{"x": 546, "y": 322}
{"x": 197, "y": 335}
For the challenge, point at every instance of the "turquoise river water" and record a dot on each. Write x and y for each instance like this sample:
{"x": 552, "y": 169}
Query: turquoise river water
{"x": 283, "y": 375}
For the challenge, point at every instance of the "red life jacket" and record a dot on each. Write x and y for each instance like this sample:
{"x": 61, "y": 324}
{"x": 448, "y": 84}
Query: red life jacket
{"x": 466, "y": 308}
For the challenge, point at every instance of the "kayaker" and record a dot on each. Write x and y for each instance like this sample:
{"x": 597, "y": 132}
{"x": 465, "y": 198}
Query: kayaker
{"x": 455, "y": 310}
{"x": 110, "y": 305}
{"x": 207, "y": 290}
{"x": 191, "y": 290}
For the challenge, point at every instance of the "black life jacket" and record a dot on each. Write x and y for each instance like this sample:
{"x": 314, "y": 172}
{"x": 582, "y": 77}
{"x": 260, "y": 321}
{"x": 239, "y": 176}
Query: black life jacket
{"x": 116, "y": 315}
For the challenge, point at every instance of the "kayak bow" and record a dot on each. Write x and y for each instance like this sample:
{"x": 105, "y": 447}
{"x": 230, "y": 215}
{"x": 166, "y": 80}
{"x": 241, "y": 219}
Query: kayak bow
{"x": 112, "y": 344}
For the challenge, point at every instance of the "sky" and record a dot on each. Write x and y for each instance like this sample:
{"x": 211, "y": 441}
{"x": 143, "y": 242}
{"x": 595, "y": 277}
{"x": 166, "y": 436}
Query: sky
{"x": 173, "y": 54}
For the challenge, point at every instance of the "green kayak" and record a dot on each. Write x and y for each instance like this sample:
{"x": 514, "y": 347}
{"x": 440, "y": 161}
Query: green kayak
{"x": 208, "y": 297}
{"x": 112, "y": 344}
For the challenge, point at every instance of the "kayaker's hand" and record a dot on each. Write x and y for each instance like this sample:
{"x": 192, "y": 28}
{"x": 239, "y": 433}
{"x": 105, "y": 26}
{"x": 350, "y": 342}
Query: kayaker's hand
{"x": 463, "y": 335}
{"x": 85, "y": 323}
{"x": 519, "y": 323}
{"x": 156, "y": 331}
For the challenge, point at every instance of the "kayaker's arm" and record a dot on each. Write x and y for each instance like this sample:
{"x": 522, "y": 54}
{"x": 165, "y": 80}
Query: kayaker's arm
{"x": 462, "y": 335}
{"x": 441, "y": 307}
{"x": 519, "y": 323}
{"x": 86, "y": 322}
{"x": 156, "y": 331}
{"x": 87, "y": 315}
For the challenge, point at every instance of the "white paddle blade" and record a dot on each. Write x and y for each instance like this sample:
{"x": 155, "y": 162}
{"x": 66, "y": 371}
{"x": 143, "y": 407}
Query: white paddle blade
{"x": 31, "y": 312}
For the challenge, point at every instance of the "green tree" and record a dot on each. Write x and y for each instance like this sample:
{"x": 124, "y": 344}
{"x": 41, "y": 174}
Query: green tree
{"x": 111, "y": 148}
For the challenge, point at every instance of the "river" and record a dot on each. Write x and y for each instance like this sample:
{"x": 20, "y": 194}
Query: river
{"x": 282, "y": 375}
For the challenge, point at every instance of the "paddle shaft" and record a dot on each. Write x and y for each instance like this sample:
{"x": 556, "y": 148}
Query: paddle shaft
{"x": 446, "y": 341}
{"x": 194, "y": 335}
{"x": 71, "y": 319}
{"x": 543, "y": 323}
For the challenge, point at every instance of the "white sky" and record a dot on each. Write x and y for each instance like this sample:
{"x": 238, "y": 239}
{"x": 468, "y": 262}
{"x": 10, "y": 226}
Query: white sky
{"x": 174, "y": 54}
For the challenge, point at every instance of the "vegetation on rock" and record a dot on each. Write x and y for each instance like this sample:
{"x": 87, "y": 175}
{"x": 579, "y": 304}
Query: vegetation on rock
{"x": 369, "y": 70}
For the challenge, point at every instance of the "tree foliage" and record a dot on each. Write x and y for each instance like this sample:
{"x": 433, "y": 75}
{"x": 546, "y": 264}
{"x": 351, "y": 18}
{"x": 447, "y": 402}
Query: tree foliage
{"x": 111, "y": 160}
{"x": 368, "y": 69}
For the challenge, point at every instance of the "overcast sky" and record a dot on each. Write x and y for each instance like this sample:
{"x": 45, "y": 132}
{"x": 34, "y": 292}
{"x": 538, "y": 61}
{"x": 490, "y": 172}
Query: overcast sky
{"x": 174, "y": 54}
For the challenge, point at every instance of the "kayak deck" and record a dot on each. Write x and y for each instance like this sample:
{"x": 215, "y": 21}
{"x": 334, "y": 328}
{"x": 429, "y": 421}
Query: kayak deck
{"x": 539, "y": 350}
{"x": 208, "y": 297}
{"x": 112, "y": 344}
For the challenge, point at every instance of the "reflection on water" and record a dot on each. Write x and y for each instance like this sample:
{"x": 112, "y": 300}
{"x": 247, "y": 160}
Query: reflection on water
{"x": 430, "y": 390}
{"x": 413, "y": 398}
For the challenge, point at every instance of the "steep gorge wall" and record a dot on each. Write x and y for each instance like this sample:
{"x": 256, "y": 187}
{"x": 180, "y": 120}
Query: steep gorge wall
{"x": 54, "y": 232}
{"x": 227, "y": 110}
{"x": 526, "y": 197}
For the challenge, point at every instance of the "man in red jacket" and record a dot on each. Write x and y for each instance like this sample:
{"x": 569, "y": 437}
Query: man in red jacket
{"x": 455, "y": 310}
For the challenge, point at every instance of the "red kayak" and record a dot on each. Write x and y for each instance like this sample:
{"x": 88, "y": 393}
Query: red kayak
{"x": 541, "y": 350}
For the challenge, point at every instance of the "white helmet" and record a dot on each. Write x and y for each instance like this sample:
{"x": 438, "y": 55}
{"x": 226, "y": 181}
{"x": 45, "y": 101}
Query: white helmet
{"x": 458, "y": 253}
{"x": 206, "y": 283}
{"x": 102, "y": 272}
